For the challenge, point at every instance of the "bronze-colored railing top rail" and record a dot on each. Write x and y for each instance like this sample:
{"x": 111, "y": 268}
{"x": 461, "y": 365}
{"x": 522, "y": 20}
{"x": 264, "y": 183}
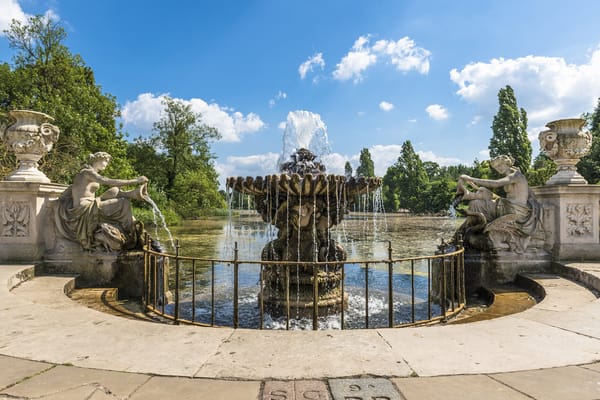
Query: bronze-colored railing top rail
{"x": 315, "y": 263}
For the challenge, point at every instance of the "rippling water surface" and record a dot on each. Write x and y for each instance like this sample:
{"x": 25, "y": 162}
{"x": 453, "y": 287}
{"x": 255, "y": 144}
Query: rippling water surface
{"x": 365, "y": 237}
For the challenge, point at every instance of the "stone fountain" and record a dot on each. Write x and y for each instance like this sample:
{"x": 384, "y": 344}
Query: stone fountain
{"x": 304, "y": 203}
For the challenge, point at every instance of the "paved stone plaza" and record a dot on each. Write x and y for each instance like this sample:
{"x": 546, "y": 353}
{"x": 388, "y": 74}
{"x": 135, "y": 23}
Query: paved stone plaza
{"x": 54, "y": 348}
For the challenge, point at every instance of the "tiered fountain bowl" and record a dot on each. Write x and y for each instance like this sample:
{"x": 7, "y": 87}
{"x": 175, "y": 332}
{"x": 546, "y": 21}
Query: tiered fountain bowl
{"x": 304, "y": 203}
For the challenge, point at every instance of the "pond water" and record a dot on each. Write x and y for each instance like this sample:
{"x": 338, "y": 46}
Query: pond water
{"x": 365, "y": 236}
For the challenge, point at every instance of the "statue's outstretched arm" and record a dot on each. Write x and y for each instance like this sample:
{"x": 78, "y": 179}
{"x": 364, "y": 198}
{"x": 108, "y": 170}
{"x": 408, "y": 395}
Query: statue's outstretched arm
{"x": 119, "y": 182}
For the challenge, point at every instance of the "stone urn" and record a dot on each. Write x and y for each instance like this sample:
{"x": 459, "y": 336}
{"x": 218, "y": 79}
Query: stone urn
{"x": 30, "y": 136}
{"x": 565, "y": 142}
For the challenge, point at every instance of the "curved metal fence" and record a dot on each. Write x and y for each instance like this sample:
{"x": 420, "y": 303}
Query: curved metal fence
{"x": 229, "y": 292}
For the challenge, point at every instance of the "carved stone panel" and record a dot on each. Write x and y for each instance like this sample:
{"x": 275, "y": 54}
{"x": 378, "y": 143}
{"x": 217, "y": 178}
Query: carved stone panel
{"x": 579, "y": 220}
{"x": 14, "y": 219}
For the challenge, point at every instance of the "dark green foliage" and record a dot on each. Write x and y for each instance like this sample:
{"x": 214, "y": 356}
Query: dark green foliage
{"x": 347, "y": 169}
{"x": 406, "y": 181}
{"x": 543, "y": 169}
{"x": 178, "y": 159}
{"x": 46, "y": 77}
{"x": 589, "y": 166}
{"x": 510, "y": 131}
{"x": 366, "y": 167}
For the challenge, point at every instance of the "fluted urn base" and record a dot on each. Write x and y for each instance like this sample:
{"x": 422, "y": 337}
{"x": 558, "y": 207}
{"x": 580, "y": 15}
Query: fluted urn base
{"x": 567, "y": 174}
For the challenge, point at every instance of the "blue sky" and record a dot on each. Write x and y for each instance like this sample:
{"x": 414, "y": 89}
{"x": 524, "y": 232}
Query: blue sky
{"x": 376, "y": 72}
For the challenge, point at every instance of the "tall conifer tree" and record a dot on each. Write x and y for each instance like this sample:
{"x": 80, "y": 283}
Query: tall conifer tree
{"x": 510, "y": 131}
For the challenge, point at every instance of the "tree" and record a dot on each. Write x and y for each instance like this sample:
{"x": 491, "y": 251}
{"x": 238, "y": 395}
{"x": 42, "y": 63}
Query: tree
{"x": 543, "y": 168}
{"x": 347, "y": 169}
{"x": 366, "y": 167}
{"x": 589, "y": 166}
{"x": 510, "y": 131}
{"x": 406, "y": 182}
{"x": 46, "y": 77}
{"x": 184, "y": 154}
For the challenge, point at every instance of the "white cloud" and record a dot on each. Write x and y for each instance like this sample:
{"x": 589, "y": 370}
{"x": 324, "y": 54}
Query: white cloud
{"x": 310, "y": 63}
{"x": 141, "y": 113}
{"x": 413, "y": 120}
{"x": 385, "y": 106}
{"x": 280, "y": 95}
{"x": 437, "y": 112}
{"x": 443, "y": 161}
{"x": 266, "y": 164}
{"x": 384, "y": 156}
{"x": 254, "y": 165}
{"x": 403, "y": 54}
{"x": 355, "y": 62}
{"x": 282, "y": 125}
{"x": 10, "y": 9}
{"x": 485, "y": 154}
{"x": 548, "y": 88}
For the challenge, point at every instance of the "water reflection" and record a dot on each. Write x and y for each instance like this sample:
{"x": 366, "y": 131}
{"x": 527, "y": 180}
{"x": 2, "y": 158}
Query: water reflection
{"x": 364, "y": 236}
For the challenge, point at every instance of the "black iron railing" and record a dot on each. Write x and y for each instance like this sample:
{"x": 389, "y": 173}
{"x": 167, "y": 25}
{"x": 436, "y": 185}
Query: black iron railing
{"x": 171, "y": 280}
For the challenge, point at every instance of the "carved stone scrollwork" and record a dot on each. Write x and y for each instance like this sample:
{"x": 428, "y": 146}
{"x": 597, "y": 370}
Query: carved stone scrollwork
{"x": 14, "y": 219}
{"x": 579, "y": 220}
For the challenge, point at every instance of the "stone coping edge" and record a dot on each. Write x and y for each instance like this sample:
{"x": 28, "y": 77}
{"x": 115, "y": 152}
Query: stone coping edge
{"x": 27, "y": 273}
{"x": 582, "y": 276}
{"x": 525, "y": 281}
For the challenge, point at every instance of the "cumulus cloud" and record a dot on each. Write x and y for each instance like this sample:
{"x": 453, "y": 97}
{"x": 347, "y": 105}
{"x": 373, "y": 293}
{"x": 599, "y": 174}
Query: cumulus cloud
{"x": 437, "y": 112}
{"x": 11, "y": 9}
{"x": 385, "y": 106}
{"x": 355, "y": 62}
{"x": 253, "y": 165}
{"x": 443, "y": 161}
{"x": 308, "y": 65}
{"x": 403, "y": 54}
{"x": 141, "y": 113}
{"x": 547, "y": 87}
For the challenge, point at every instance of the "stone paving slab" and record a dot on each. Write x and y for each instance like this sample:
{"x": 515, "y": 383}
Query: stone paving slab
{"x": 584, "y": 320}
{"x": 556, "y": 383}
{"x": 593, "y": 367}
{"x": 363, "y": 388}
{"x": 161, "y": 388}
{"x": 89, "y": 338}
{"x": 13, "y": 370}
{"x": 461, "y": 387}
{"x": 295, "y": 390}
{"x": 62, "y": 380}
{"x": 562, "y": 295}
{"x": 251, "y": 354}
{"x": 500, "y": 345}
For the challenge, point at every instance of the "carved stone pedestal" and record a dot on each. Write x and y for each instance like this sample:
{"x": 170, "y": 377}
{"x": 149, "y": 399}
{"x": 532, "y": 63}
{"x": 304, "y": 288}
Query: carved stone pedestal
{"x": 571, "y": 218}
{"x": 24, "y": 219}
{"x": 488, "y": 269}
{"x": 123, "y": 270}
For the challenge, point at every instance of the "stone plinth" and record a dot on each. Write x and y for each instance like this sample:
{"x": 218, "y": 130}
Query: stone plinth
{"x": 487, "y": 269}
{"x": 24, "y": 219}
{"x": 571, "y": 219}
